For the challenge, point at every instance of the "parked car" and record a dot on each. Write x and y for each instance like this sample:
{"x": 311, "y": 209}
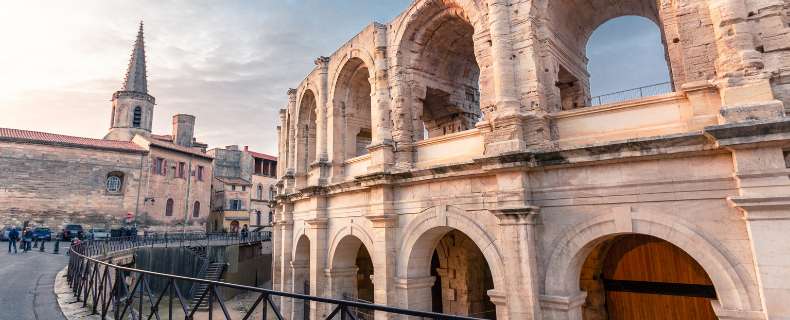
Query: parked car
{"x": 71, "y": 231}
{"x": 98, "y": 233}
{"x": 42, "y": 233}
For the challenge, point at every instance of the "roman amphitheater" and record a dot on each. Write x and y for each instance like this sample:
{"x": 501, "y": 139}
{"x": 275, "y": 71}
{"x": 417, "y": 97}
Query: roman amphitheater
{"x": 453, "y": 160}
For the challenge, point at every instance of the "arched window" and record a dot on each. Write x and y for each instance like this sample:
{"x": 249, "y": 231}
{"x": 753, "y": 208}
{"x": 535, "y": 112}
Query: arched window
{"x": 196, "y": 210}
{"x": 627, "y": 60}
{"x": 137, "y": 117}
{"x": 260, "y": 192}
{"x": 114, "y": 182}
{"x": 169, "y": 208}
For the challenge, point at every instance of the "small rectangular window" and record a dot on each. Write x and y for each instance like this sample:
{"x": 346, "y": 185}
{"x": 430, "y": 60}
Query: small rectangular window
{"x": 181, "y": 170}
{"x": 243, "y": 188}
{"x": 200, "y": 173}
{"x": 233, "y": 188}
{"x": 787, "y": 158}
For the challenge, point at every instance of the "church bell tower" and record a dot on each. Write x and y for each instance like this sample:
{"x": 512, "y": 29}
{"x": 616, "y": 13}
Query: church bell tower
{"x": 132, "y": 106}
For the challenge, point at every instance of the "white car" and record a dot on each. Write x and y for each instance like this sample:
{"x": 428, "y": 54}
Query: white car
{"x": 97, "y": 233}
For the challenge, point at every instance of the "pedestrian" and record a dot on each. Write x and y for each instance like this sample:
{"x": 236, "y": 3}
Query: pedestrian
{"x": 27, "y": 239}
{"x": 13, "y": 236}
{"x": 244, "y": 232}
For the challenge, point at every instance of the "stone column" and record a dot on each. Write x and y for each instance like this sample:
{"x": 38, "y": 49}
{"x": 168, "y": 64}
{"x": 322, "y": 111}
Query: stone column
{"x": 290, "y": 127}
{"x": 282, "y": 143}
{"x": 283, "y": 248}
{"x": 415, "y": 293}
{"x": 382, "y": 147}
{"x": 745, "y": 87}
{"x": 519, "y": 238}
{"x": 317, "y": 231}
{"x": 321, "y": 104}
{"x": 299, "y": 274}
{"x": 385, "y": 241}
{"x": 320, "y": 170}
{"x": 764, "y": 199}
{"x": 341, "y": 282}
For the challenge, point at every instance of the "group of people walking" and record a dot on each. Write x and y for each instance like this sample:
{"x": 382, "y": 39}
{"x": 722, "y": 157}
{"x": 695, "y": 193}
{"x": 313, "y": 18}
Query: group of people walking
{"x": 26, "y": 236}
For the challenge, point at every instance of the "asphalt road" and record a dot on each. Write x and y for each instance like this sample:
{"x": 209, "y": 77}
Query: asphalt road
{"x": 26, "y": 281}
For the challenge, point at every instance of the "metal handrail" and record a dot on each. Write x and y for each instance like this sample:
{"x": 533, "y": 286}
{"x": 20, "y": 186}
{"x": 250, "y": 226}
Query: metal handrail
{"x": 91, "y": 279}
{"x": 629, "y": 94}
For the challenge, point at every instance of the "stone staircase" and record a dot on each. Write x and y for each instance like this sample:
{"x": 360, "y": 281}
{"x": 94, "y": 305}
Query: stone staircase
{"x": 215, "y": 271}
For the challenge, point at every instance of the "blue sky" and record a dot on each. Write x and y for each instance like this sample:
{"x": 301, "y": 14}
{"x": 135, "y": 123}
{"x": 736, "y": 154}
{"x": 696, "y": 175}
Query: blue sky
{"x": 229, "y": 64}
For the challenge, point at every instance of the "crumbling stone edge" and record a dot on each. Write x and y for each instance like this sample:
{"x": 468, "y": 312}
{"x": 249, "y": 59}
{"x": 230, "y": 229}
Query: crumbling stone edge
{"x": 69, "y": 306}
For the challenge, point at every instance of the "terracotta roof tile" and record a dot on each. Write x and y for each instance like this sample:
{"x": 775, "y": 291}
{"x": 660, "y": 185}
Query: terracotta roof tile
{"x": 58, "y": 139}
{"x": 173, "y": 146}
{"x": 262, "y": 155}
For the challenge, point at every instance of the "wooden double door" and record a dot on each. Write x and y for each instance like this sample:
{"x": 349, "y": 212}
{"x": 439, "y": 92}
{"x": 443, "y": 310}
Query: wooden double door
{"x": 648, "y": 278}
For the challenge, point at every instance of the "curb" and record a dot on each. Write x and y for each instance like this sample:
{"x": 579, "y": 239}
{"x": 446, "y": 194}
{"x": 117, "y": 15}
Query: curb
{"x": 69, "y": 306}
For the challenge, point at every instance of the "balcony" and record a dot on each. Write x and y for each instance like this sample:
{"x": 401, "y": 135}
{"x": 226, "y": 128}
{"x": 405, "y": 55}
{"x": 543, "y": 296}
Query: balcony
{"x": 631, "y": 114}
{"x": 450, "y": 148}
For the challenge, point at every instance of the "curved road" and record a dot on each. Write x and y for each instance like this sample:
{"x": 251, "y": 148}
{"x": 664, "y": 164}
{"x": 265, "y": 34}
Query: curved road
{"x": 26, "y": 283}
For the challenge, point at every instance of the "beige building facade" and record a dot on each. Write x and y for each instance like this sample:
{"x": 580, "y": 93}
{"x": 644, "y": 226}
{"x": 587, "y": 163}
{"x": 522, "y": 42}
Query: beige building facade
{"x": 154, "y": 181}
{"x": 453, "y": 160}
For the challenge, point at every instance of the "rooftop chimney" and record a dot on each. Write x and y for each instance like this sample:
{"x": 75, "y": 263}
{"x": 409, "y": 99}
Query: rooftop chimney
{"x": 183, "y": 129}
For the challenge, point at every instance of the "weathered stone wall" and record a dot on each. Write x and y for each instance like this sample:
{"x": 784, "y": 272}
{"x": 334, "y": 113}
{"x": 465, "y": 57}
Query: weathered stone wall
{"x": 186, "y": 192}
{"x": 51, "y": 185}
{"x": 533, "y": 186}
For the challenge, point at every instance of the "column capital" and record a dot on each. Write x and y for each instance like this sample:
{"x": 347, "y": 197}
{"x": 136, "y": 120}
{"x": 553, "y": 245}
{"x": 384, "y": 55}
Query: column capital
{"x": 498, "y": 298}
{"x": 292, "y": 93}
{"x": 762, "y": 208}
{"x": 526, "y": 215}
{"x": 415, "y": 283}
{"x": 563, "y": 303}
{"x": 383, "y": 221}
{"x": 317, "y": 223}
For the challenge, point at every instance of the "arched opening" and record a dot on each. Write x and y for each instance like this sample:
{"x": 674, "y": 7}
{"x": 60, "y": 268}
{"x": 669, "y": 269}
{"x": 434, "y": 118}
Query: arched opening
{"x": 137, "y": 117}
{"x": 352, "y": 271}
{"x": 306, "y": 130}
{"x": 638, "y": 276}
{"x": 627, "y": 60}
{"x": 234, "y": 226}
{"x": 260, "y": 192}
{"x": 460, "y": 272}
{"x": 196, "y": 210}
{"x": 114, "y": 182}
{"x": 447, "y": 73}
{"x": 620, "y": 49}
{"x": 352, "y": 102}
{"x": 300, "y": 282}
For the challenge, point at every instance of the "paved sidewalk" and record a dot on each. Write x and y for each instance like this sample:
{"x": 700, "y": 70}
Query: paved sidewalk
{"x": 26, "y": 281}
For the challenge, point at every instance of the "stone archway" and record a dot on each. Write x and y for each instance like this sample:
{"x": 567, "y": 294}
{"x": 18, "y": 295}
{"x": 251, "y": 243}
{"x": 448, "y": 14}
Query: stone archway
{"x": 350, "y": 270}
{"x": 454, "y": 233}
{"x": 563, "y": 297}
{"x": 300, "y": 277}
{"x": 351, "y": 104}
{"x": 306, "y": 132}
{"x": 634, "y": 276}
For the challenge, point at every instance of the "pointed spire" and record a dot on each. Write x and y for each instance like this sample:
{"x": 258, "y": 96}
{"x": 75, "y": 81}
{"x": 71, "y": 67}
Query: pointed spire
{"x": 136, "y": 77}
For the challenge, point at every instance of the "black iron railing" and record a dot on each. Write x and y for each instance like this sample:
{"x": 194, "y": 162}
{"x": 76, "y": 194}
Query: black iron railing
{"x": 124, "y": 293}
{"x": 630, "y": 94}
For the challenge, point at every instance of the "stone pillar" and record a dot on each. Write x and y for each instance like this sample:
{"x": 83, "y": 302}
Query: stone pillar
{"x": 283, "y": 249}
{"x": 319, "y": 171}
{"x": 321, "y": 104}
{"x": 745, "y": 87}
{"x": 403, "y": 100}
{"x": 504, "y": 128}
{"x": 382, "y": 147}
{"x": 282, "y": 143}
{"x": 317, "y": 231}
{"x": 562, "y": 307}
{"x": 290, "y": 161}
{"x": 341, "y": 282}
{"x": 415, "y": 293}
{"x": 519, "y": 238}
{"x": 299, "y": 274}
{"x": 385, "y": 242}
{"x": 764, "y": 199}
